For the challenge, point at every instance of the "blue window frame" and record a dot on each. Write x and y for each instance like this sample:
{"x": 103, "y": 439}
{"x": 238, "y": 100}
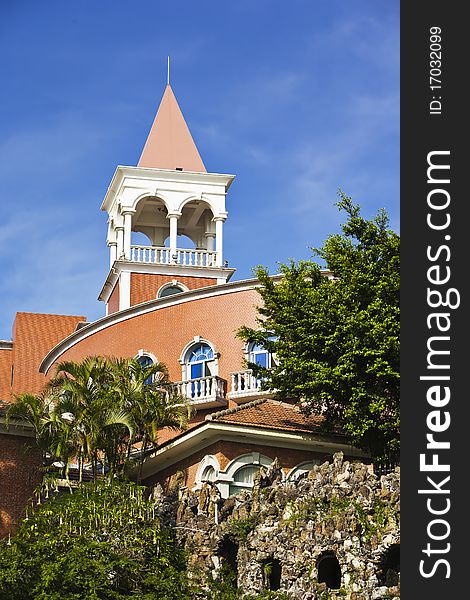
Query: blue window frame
{"x": 198, "y": 357}
{"x": 146, "y": 361}
{"x": 260, "y": 356}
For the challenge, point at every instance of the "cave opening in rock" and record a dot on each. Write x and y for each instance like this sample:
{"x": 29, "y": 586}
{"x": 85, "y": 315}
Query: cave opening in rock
{"x": 329, "y": 570}
{"x": 390, "y": 575}
{"x": 272, "y": 571}
{"x": 228, "y": 552}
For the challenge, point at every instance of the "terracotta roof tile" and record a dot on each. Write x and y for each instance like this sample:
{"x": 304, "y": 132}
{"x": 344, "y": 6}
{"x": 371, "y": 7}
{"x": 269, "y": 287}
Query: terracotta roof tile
{"x": 269, "y": 413}
{"x": 33, "y": 336}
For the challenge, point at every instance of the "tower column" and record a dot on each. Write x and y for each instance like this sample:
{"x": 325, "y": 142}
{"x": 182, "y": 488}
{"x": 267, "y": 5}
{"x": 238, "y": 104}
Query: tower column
{"x": 219, "y": 241}
{"x": 112, "y": 253}
{"x": 173, "y": 233}
{"x": 127, "y": 233}
{"x": 120, "y": 242}
{"x": 210, "y": 238}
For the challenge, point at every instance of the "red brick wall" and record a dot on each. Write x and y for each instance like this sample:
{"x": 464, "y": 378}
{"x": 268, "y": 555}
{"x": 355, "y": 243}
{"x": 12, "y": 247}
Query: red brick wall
{"x": 5, "y": 374}
{"x": 113, "y": 301}
{"x": 33, "y": 336}
{"x": 166, "y": 331}
{"x": 19, "y": 476}
{"x": 144, "y": 286}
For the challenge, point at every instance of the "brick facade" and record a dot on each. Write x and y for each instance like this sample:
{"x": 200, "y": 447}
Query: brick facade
{"x": 5, "y": 374}
{"x": 113, "y": 301}
{"x": 33, "y": 336}
{"x": 145, "y": 286}
{"x": 19, "y": 476}
{"x": 164, "y": 332}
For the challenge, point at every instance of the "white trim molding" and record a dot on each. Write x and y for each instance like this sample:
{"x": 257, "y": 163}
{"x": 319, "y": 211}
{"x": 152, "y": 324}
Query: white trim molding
{"x": 169, "y": 284}
{"x": 209, "y": 460}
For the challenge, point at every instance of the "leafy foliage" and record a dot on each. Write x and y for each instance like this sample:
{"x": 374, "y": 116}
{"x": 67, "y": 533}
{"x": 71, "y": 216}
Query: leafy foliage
{"x": 96, "y": 410}
{"x": 336, "y": 340}
{"x": 102, "y": 541}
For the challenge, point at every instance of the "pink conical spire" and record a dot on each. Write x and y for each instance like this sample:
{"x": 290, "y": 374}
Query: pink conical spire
{"x": 169, "y": 144}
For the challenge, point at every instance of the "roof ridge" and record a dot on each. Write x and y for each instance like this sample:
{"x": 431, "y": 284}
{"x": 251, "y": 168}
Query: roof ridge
{"x": 235, "y": 409}
{"x": 286, "y": 404}
{"x": 41, "y": 314}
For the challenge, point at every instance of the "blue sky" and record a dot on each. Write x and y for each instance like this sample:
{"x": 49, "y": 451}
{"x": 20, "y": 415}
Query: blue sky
{"x": 296, "y": 99}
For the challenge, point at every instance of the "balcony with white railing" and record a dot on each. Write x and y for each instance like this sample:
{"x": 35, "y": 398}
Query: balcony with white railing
{"x": 207, "y": 391}
{"x": 245, "y": 387}
{"x": 161, "y": 255}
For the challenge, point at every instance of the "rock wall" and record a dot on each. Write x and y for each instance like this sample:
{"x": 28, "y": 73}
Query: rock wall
{"x": 332, "y": 534}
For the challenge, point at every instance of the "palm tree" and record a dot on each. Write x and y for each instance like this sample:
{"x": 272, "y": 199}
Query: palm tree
{"x": 98, "y": 408}
{"x": 35, "y": 410}
{"x": 90, "y": 410}
{"x": 149, "y": 396}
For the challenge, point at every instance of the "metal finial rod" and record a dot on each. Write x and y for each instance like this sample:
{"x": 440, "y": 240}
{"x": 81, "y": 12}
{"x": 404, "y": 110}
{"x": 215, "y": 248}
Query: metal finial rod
{"x": 168, "y": 72}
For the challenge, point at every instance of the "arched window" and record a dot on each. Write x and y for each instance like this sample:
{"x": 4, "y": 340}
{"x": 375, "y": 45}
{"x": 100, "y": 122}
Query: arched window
{"x": 301, "y": 471}
{"x": 259, "y": 355}
{"x": 208, "y": 474}
{"x": 243, "y": 479}
{"x": 329, "y": 571}
{"x": 146, "y": 361}
{"x": 198, "y": 358}
{"x": 170, "y": 290}
{"x": 207, "y": 470}
{"x": 239, "y": 474}
{"x": 199, "y": 362}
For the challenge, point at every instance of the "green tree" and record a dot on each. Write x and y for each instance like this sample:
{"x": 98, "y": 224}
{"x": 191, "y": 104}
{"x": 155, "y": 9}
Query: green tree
{"x": 101, "y": 542}
{"x": 336, "y": 339}
{"x": 150, "y": 398}
{"x": 102, "y": 410}
{"x": 87, "y": 408}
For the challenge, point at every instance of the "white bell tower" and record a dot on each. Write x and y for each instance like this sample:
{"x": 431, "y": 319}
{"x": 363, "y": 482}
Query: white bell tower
{"x": 169, "y": 194}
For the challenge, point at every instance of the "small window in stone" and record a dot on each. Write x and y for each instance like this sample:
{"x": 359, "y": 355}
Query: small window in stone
{"x": 228, "y": 552}
{"x": 170, "y": 290}
{"x": 329, "y": 571}
{"x": 208, "y": 474}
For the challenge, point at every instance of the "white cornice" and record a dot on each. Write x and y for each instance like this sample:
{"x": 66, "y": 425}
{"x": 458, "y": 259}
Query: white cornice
{"x": 123, "y": 173}
{"x": 120, "y": 266}
{"x": 210, "y": 432}
{"x": 6, "y": 344}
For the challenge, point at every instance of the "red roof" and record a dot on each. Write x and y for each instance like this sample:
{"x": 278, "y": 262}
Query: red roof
{"x": 271, "y": 414}
{"x": 33, "y": 336}
{"x": 169, "y": 144}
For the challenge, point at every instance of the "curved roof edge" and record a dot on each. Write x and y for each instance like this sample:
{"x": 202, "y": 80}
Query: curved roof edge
{"x": 143, "y": 308}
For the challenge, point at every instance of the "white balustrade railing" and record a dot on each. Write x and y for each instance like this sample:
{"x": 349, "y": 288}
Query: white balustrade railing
{"x": 244, "y": 382}
{"x": 163, "y": 256}
{"x": 202, "y": 389}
